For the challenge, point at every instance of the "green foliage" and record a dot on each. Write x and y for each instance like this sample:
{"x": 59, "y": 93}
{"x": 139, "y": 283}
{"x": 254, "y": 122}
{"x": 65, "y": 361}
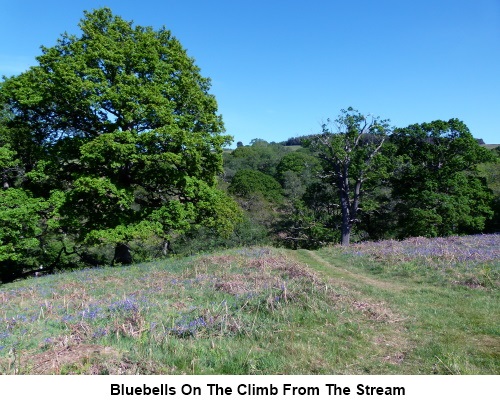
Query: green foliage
{"x": 20, "y": 231}
{"x": 296, "y": 140}
{"x": 303, "y": 227}
{"x": 247, "y": 182}
{"x": 20, "y": 223}
{"x": 215, "y": 210}
{"x": 437, "y": 188}
{"x": 300, "y": 163}
{"x": 348, "y": 151}
{"x": 247, "y": 232}
{"x": 120, "y": 124}
{"x": 491, "y": 172}
{"x": 8, "y": 165}
{"x": 260, "y": 155}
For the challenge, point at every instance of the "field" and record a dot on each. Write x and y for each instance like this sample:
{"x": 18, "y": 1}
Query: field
{"x": 421, "y": 306}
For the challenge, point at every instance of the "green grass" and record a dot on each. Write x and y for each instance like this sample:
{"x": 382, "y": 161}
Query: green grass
{"x": 449, "y": 313}
{"x": 252, "y": 311}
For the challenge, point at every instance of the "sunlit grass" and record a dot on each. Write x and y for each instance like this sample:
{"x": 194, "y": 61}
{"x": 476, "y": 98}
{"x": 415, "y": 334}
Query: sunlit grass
{"x": 447, "y": 289}
{"x": 257, "y": 311}
{"x": 472, "y": 261}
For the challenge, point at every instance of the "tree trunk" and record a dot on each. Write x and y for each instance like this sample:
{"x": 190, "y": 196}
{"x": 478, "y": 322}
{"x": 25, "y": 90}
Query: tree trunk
{"x": 346, "y": 235}
{"x": 167, "y": 248}
{"x": 349, "y": 213}
{"x": 345, "y": 208}
{"x": 122, "y": 254}
{"x": 346, "y": 221}
{"x": 346, "y": 227}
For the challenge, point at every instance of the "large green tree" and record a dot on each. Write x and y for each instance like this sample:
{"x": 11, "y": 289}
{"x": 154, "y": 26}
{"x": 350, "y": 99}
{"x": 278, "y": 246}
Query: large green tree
{"x": 117, "y": 126}
{"x": 437, "y": 188}
{"x": 348, "y": 149}
{"x": 247, "y": 182}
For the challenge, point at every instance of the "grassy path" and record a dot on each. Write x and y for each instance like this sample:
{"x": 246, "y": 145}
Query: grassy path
{"x": 368, "y": 299}
{"x": 329, "y": 269}
{"x": 433, "y": 328}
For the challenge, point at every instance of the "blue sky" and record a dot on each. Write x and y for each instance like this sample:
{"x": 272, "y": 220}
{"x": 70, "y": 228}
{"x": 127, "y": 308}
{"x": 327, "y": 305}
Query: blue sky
{"x": 281, "y": 68}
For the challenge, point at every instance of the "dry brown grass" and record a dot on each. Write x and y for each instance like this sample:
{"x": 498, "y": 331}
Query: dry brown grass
{"x": 377, "y": 311}
{"x": 76, "y": 357}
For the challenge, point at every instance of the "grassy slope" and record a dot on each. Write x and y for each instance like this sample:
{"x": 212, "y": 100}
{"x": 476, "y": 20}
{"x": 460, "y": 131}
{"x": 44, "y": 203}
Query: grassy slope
{"x": 259, "y": 310}
{"x": 437, "y": 328}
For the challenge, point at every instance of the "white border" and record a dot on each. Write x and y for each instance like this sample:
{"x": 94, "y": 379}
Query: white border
{"x": 421, "y": 390}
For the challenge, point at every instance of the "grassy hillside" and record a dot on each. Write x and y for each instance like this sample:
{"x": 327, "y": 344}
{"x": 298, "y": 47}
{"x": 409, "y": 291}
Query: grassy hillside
{"x": 415, "y": 307}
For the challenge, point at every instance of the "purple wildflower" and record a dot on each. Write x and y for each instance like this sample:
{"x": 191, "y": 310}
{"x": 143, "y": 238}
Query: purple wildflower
{"x": 124, "y": 305}
{"x": 91, "y": 313}
{"x": 185, "y": 328}
{"x": 67, "y": 318}
{"x": 100, "y": 333}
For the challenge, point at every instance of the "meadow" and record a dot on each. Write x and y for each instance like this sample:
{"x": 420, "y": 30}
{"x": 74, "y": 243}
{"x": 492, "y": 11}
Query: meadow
{"x": 419, "y": 306}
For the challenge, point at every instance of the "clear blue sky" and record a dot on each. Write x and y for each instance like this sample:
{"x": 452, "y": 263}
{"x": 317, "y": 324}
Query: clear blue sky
{"x": 281, "y": 68}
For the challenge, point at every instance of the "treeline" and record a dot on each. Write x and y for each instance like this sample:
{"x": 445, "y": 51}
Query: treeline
{"x": 299, "y": 140}
{"x": 296, "y": 140}
{"x": 430, "y": 179}
{"x": 112, "y": 151}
